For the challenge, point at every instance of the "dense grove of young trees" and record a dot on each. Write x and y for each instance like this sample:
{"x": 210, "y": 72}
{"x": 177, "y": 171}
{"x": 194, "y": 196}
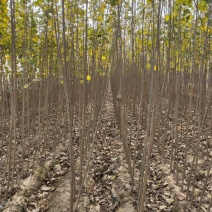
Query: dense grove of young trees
{"x": 58, "y": 58}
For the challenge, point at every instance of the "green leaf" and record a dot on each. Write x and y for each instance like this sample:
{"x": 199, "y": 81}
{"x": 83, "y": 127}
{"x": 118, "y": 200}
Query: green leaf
{"x": 115, "y": 2}
{"x": 202, "y": 6}
{"x": 180, "y": 1}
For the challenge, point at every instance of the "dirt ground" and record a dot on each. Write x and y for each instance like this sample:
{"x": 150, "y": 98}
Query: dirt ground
{"x": 107, "y": 186}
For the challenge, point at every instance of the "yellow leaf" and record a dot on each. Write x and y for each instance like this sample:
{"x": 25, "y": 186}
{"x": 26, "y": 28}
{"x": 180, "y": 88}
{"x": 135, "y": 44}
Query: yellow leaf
{"x": 174, "y": 14}
{"x": 7, "y": 56}
{"x": 149, "y": 42}
{"x": 89, "y": 78}
{"x": 202, "y": 6}
{"x": 26, "y": 85}
{"x": 167, "y": 17}
{"x": 150, "y": 1}
{"x": 103, "y": 7}
{"x": 81, "y": 82}
{"x": 5, "y": 20}
{"x": 148, "y": 66}
{"x": 103, "y": 58}
{"x": 35, "y": 40}
{"x": 145, "y": 32}
{"x": 99, "y": 18}
{"x": 205, "y": 29}
{"x": 179, "y": 1}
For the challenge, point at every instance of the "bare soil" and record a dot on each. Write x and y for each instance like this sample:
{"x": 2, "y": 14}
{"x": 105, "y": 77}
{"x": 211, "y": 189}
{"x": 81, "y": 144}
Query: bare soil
{"x": 107, "y": 186}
